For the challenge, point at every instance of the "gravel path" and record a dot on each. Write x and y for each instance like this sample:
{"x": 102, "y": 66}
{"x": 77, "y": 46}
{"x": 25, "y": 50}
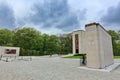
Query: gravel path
{"x": 52, "y": 68}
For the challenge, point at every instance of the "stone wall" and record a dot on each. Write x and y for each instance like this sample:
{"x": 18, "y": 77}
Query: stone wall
{"x": 79, "y": 43}
{"x": 92, "y": 47}
{"x": 99, "y": 46}
{"x": 96, "y": 43}
{"x": 9, "y": 51}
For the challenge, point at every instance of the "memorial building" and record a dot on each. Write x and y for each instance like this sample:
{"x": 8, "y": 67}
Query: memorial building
{"x": 96, "y": 43}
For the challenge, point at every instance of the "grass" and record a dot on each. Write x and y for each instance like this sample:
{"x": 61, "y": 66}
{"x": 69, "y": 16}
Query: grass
{"x": 74, "y": 57}
{"x": 78, "y": 57}
{"x": 116, "y": 57}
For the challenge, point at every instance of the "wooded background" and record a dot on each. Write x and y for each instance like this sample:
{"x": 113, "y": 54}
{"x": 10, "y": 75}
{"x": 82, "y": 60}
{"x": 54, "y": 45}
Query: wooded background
{"x": 33, "y": 43}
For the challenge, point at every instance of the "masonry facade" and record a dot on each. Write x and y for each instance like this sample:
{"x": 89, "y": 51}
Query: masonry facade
{"x": 96, "y": 43}
{"x": 9, "y": 51}
{"x": 78, "y": 38}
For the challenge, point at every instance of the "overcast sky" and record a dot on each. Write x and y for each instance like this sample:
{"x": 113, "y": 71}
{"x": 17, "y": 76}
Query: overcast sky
{"x": 59, "y": 16}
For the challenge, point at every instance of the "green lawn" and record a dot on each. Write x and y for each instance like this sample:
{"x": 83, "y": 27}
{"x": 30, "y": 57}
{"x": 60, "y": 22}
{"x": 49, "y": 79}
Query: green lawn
{"x": 116, "y": 57}
{"x": 74, "y": 57}
{"x": 78, "y": 57}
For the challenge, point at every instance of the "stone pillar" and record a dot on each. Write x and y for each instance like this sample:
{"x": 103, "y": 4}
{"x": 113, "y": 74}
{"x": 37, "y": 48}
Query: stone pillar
{"x": 98, "y": 46}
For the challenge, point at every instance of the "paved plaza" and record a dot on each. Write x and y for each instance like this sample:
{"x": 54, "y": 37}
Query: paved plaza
{"x": 52, "y": 68}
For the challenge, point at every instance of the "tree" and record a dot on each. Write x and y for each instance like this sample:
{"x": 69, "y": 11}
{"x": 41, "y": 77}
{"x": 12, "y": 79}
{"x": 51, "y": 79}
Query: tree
{"x": 66, "y": 43}
{"x": 53, "y": 44}
{"x": 50, "y": 44}
{"x": 32, "y": 42}
{"x": 117, "y": 49}
{"x": 6, "y": 37}
{"x": 45, "y": 38}
{"x": 115, "y": 37}
{"x": 28, "y": 39}
{"x": 119, "y": 34}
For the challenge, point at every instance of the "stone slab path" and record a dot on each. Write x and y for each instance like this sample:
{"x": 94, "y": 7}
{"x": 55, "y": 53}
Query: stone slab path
{"x": 52, "y": 68}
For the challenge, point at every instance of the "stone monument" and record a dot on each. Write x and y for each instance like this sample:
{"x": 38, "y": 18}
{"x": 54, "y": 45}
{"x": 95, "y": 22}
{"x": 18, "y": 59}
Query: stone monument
{"x": 96, "y": 43}
{"x": 9, "y": 51}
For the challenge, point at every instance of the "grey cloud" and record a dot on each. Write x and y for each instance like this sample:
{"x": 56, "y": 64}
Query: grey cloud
{"x": 113, "y": 16}
{"x": 49, "y": 10}
{"x": 49, "y": 14}
{"x": 54, "y": 13}
{"x": 6, "y": 16}
{"x": 69, "y": 23}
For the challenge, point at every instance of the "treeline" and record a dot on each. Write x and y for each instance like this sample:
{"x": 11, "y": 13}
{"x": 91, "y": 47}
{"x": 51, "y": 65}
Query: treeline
{"x": 33, "y": 43}
{"x": 115, "y": 41}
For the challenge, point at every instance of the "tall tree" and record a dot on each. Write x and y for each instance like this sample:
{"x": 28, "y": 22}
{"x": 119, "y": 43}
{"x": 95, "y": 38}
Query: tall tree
{"x": 113, "y": 34}
{"x": 53, "y": 44}
{"x": 119, "y": 34}
{"x": 28, "y": 39}
{"x": 45, "y": 38}
{"x": 66, "y": 43}
{"x": 115, "y": 37}
{"x": 6, "y": 37}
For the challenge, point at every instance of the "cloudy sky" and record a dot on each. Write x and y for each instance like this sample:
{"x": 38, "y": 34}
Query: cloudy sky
{"x": 59, "y": 16}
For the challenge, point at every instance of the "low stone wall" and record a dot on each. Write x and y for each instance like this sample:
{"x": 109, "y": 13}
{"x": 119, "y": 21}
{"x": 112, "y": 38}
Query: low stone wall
{"x": 9, "y": 51}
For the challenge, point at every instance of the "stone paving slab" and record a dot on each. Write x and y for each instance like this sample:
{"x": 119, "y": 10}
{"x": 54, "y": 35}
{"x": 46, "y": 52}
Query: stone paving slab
{"x": 106, "y": 69}
{"x": 52, "y": 68}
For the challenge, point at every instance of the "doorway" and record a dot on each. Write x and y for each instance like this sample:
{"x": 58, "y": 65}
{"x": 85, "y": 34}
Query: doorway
{"x": 77, "y": 51}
